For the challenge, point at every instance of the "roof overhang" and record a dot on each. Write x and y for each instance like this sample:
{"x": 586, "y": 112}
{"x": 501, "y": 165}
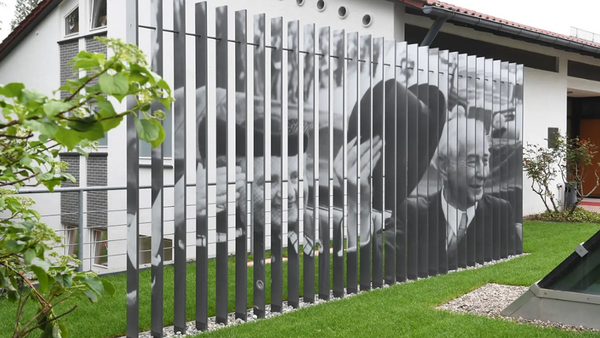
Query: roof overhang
{"x": 497, "y": 26}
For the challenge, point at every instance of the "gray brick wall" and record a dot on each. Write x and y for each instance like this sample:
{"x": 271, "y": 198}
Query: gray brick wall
{"x": 97, "y": 201}
{"x": 94, "y": 46}
{"x": 68, "y": 51}
{"x": 69, "y": 201}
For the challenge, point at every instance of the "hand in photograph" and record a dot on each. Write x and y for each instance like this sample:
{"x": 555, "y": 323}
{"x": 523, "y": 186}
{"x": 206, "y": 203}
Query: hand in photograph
{"x": 221, "y": 188}
{"x": 353, "y": 161}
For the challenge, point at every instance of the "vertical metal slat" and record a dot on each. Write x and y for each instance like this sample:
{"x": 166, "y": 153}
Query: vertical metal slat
{"x": 241, "y": 232}
{"x": 133, "y": 197}
{"x": 179, "y": 297}
{"x": 157, "y": 175}
{"x": 294, "y": 99}
{"x": 324, "y": 114}
{"x": 352, "y": 227}
{"x": 201, "y": 29}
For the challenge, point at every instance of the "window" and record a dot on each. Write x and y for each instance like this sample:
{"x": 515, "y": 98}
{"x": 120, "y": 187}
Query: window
{"x": 71, "y": 240}
{"x": 146, "y": 245}
{"x": 100, "y": 246}
{"x": 72, "y": 22}
{"x": 98, "y": 16}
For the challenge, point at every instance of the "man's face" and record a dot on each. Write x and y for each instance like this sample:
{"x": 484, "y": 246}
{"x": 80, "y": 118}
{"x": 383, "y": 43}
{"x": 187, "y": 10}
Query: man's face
{"x": 468, "y": 171}
{"x": 258, "y": 190}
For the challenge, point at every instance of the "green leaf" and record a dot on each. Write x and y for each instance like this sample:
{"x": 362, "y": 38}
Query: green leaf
{"x": 42, "y": 277}
{"x": 106, "y": 108}
{"x": 161, "y": 134}
{"x": 109, "y": 289}
{"x": 29, "y": 255}
{"x": 12, "y": 89}
{"x": 56, "y": 332}
{"x": 147, "y": 130}
{"x": 67, "y": 137}
{"x": 111, "y": 123}
{"x": 63, "y": 330}
{"x": 65, "y": 280}
{"x": 13, "y": 247}
{"x": 40, "y": 263}
{"x": 91, "y": 295}
{"x": 54, "y": 107}
{"x": 47, "y": 128}
{"x": 94, "y": 284}
{"x": 87, "y": 64}
{"x": 113, "y": 84}
{"x": 52, "y": 183}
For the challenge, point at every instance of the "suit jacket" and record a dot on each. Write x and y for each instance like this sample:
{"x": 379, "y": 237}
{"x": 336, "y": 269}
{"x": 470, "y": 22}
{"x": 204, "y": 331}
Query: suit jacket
{"x": 491, "y": 234}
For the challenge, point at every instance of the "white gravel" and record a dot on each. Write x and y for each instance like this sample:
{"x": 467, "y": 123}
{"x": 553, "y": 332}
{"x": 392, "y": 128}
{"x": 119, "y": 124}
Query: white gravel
{"x": 168, "y": 332}
{"x": 490, "y": 299}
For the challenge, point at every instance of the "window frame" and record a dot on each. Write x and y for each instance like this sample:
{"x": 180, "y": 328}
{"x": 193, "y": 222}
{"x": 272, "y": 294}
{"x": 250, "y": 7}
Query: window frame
{"x": 96, "y": 246}
{"x": 92, "y": 28}
{"x": 66, "y": 24}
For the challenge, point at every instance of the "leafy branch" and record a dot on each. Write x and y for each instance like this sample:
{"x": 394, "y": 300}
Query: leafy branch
{"x": 34, "y": 128}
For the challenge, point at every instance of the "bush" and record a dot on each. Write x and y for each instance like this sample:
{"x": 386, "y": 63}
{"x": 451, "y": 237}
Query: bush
{"x": 579, "y": 215}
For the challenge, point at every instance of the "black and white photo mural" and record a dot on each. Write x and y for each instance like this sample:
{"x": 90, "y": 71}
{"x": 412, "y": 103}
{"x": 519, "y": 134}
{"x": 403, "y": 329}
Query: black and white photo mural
{"x": 338, "y": 160}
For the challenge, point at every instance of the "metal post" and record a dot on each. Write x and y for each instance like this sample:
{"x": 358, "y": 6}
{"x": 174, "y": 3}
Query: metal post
{"x": 80, "y": 229}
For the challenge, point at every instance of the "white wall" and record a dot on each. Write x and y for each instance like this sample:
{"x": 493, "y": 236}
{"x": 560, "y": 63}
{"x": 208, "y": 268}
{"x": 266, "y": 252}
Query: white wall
{"x": 35, "y": 61}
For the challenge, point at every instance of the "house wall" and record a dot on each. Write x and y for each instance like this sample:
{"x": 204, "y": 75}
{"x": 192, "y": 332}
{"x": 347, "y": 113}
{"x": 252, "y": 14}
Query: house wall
{"x": 545, "y": 92}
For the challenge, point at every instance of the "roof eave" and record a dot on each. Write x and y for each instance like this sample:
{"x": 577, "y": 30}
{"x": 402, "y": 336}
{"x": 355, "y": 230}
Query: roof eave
{"x": 26, "y": 26}
{"x": 476, "y": 21}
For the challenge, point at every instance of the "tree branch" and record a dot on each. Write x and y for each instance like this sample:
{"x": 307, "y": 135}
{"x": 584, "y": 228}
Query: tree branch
{"x": 3, "y": 184}
{"x": 51, "y": 320}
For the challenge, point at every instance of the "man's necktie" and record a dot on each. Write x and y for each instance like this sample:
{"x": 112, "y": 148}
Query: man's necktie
{"x": 453, "y": 238}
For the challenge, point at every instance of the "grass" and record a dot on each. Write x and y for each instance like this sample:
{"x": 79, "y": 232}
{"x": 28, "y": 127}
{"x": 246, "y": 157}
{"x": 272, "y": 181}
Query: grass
{"x": 401, "y": 310}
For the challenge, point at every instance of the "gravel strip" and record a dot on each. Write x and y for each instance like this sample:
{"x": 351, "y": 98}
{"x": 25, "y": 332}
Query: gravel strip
{"x": 490, "y": 299}
{"x": 169, "y": 332}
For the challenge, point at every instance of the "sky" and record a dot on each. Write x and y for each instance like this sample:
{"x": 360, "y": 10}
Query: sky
{"x": 553, "y": 16}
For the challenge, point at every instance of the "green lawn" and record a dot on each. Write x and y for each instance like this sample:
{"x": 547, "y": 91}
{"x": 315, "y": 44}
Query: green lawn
{"x": 401, "y": 310}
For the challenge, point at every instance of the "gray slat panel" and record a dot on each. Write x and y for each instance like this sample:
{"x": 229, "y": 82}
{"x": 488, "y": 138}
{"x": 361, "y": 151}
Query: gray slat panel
{"x": 201, "y": 28}
{"x": 157, "y": 175}
{"x": 377, "y": 165}
{"x": 278, "y": 156}
{"x": 422, "y": 163}
{"x": 260, "y": 167}
{"x": 310, "y": 110}
{"x": 180, "y": 214}
{"x": 325, "y": 146}
{"x": 338, "y": 131}
{"x": 389, "y": 161}
{"x": 133, "y": 188}
{"x": 365, "y": 136}
{"x": 223, "y": 163}
{"x": 241, "y": 228}
{"x": 294, "y": 183}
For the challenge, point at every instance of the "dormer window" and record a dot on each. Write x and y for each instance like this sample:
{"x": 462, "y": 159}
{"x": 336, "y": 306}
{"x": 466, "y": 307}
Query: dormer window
{"x": 72, "y": 22}
{"x": 98, "y": 14}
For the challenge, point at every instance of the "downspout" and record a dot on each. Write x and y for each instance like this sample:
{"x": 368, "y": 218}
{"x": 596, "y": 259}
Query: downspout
{"x": 501, "y": 27}
{"x": 433, "y": 31}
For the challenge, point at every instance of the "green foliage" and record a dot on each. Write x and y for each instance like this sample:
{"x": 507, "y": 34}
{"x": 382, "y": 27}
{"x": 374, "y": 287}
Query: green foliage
{"x": 33, "y": 129}
{"x": 578, "y": 215}
{"x": 570, "y": 159}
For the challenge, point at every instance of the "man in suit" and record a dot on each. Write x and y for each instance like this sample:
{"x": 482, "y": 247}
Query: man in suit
{"x": 461, "y": 211}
